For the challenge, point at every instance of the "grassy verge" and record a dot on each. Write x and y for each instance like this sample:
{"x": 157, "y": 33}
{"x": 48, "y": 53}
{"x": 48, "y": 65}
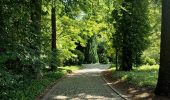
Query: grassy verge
{"x": 36, "y": 87}
{"x": 69, "y": 68}
{"x": 143, "y": 76}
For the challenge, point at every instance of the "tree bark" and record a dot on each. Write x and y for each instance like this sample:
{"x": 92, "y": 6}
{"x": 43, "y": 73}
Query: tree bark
{"x": 163, "y": 85}
{"x": 126, "y": 64}
{"x": 126, "y": 59}
{"x": 116, "y": 58}
{"x": 53, "y": 38}
{"x": 53, "y": 23}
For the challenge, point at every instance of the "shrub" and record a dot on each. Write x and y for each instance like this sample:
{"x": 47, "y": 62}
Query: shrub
{"x": 149, "y": 61}
{"x": 77, "y": 59}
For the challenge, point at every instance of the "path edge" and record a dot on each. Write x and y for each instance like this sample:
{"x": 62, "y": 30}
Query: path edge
{"x": 47, "y": 89}
{"x": 115, "y": 90}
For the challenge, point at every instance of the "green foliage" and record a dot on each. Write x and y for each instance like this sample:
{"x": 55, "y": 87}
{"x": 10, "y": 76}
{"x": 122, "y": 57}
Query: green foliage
{"x": 25, "y": 38}
{"x": 102, "y": 53}
{"x": 80, "y": 57}
{"x": 132, "y": 31}
{"x": 143, "y": 76}
{"x": 28, "y": 90}
{"x": 77, "y": 59}
{"x": 91, "y": 55}
{"x": 153, "y": 51}
{"x": 149, "y": 61}
{"x": 35, "y": 87}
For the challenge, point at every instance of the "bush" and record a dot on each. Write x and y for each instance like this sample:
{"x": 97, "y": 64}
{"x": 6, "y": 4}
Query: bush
{"x": 78, "y": 59}
{"x": 8, "y": 83}
{"x": 103, "y": 59}
{"x": 15, "y": 87}
{"x": 149, "y": 61}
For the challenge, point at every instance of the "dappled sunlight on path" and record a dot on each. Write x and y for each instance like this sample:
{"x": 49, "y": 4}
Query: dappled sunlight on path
{"x": 85, "y": 84}
{"x": 93, "y": 68}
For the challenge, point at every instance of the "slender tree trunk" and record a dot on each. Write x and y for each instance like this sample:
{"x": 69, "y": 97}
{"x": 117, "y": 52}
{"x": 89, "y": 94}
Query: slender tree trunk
{"x": 116, "y": 58}
{"x": 53, "y": 42}
{"x": 163, "y": 85}
{"x": 53, "y": 23}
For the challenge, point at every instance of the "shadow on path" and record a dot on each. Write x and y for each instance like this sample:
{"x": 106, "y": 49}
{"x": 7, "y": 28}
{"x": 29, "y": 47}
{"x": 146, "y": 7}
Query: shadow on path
{"x": 83, "y": 84}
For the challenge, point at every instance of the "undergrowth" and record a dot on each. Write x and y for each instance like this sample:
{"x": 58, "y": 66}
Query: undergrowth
{"x": 143, "y": 76}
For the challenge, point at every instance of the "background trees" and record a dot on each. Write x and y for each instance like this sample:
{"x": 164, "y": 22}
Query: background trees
{"x": 87, "y": 31}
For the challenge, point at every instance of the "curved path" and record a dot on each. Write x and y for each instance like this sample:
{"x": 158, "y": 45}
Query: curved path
{"x": 84, "y": 84}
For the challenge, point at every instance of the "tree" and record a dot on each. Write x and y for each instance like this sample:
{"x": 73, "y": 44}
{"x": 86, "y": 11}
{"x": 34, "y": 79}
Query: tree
{"x": 163, "y": 85}
{"x": 91, "y": 50}
{"x": 132, "y": 29}
{"x": 53, "y": 37}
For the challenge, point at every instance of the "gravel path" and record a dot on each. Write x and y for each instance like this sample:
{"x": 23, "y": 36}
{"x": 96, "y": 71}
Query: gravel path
{"x": 84, "y": 84}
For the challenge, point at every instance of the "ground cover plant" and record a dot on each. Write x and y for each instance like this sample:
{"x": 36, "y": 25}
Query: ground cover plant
{"x": 33, "y": 88}
{"x": 142, "y": 76}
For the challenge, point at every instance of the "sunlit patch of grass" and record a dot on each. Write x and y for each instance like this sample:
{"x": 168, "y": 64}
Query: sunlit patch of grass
{"x": 148, "y": 68}
{"x": 112, "y": 67}
{"x": 73, "y": 68}
{"x": 69, "y": 69}
{"x": 143, "y": 76}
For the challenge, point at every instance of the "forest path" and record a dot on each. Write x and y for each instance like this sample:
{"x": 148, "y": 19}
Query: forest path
{"x": 83, "y": 84}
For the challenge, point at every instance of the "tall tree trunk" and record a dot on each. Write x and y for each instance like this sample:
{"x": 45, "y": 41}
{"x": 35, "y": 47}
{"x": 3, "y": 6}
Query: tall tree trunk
{"x": 116, "y": 58}
{"x": 53, "y": 23}
{"x": 53, "y": 42}
{"x": 126, "y": 64}
{"x": 163, "y": 85}
{"x": 36, "y": 25}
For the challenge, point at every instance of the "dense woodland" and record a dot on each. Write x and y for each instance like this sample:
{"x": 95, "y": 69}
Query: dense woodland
{"x": 38, "y": 36}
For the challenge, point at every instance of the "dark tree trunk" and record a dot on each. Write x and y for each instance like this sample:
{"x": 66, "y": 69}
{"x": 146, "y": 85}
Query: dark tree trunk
{"x": 116, "y": 58}
{"x": 80, "y": 48}
{"x": 53, "y": 23}
{"x": 36, "y": 25}
{"x": 53, "y": 41}
{"x": 163, "y": 85}
{"x": 126, "y": 59}
{"x": 126, "y": 64}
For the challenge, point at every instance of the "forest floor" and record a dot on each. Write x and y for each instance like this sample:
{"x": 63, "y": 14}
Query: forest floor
{"x": 132, "y": 92}
{"x": 86, "y": 83}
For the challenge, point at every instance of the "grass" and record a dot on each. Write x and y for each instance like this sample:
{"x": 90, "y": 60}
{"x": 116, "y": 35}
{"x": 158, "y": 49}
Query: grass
{"x": 36, "y": 87}
{"x": 72, "y": 68}
{"x": 143, "y": 76}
